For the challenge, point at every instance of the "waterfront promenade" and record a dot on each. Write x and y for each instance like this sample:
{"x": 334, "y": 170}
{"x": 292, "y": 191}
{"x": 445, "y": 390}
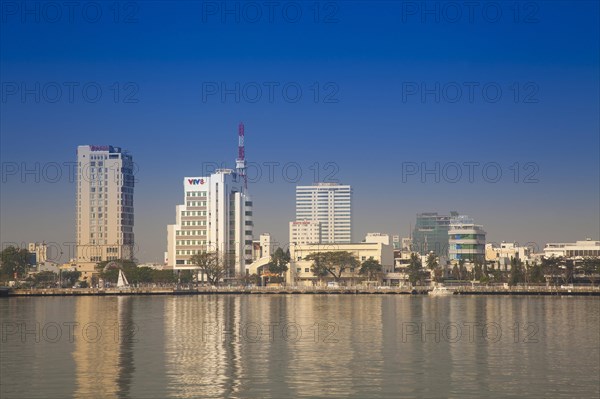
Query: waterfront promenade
{"x": 355, "y": 290}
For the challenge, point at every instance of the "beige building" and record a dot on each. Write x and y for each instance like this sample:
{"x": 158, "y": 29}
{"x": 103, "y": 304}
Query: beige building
{"x": 40, "y": 250}
{"x": 299, "y": 272}
{"x": 378, "y": 237}
{"x": 305, "y": 232}
{"x": 506, "y": 250}
{"x": 104, "y": 206}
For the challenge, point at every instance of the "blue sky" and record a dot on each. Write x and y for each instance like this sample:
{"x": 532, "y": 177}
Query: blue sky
{"x": 385, "y": 86}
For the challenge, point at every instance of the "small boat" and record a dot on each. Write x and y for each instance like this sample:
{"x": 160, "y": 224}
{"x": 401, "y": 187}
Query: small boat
{"x": 441, "y": 291}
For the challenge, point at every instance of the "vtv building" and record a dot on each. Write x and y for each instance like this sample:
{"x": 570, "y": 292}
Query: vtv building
{"x": 105, "y": 184}
{"x": 216, "y": 216}
{"x": 329, "y": 204}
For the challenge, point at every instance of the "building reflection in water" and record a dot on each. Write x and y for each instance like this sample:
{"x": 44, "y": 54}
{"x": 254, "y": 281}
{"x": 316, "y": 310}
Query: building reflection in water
{"x": 327, "y": 345}
{"x": 103, "y": 350}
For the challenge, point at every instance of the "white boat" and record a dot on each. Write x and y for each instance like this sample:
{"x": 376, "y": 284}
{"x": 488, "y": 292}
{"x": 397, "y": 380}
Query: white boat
{"x": 441, "y": 291}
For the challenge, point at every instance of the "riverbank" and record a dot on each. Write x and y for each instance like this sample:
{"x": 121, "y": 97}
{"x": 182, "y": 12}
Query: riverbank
{"x": 461, "y": 290}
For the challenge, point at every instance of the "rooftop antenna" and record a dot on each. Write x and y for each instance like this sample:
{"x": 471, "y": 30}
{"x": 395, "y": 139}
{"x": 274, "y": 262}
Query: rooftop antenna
{"x": 240, "y": 162}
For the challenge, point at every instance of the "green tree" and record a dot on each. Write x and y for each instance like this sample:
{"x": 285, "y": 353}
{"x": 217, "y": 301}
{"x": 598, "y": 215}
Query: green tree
{"x": 456, "y": 272}
{"x": 591, "y": 268}
{"x": 247, "y": 279}
{"x": 69, "y": 278}
{"x": 129, "y": 268}
{"x": 163, "y": 276}
{"x": 186, "y": 276}
{"x": 44, "y": 279}
{"x": 462, "y": 269}
{"x": 415, "y": 269}
{"x": 478, "y": 270}
{"x": 332, "y": 263}
{"x": 14, "y": 262}
{"x": 516, "y": 272}
{"x": 279, "y": 262}
{"x": 433, "y": 266}
{"x": 569, "y": 271}
{"x": 371, "y": 268}
{"x": 143, "y": 275}
{"x": 432, "y": 261}
{"x": 209, "y": 264}
{"x": 551, "y": 267}
{"x": 535, "y": 273}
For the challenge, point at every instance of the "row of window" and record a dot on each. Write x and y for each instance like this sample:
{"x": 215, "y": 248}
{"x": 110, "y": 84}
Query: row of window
{"x": 190, "y": 242}
{"x": 195, "y": 194}
{"x": 583, "y": 252}
{"x": 188, "y": 252}
{"x": 479, "y": 247}
{"x": 193, "y": 223}
{"x": 193, "y": 213}
{"x": 190, "y": 232}
{"x": 467, "y": 236}
{"x": 195, "y": 203}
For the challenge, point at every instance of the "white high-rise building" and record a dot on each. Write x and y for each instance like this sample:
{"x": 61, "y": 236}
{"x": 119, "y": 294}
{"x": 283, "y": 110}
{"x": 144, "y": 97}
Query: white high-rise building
{"x": 330, "y": 204}
{"x": 104, "y": 201}
{"x": 216, "y": 216}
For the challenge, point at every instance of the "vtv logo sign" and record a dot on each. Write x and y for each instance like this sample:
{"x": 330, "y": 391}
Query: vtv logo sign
{"x": 195, "y": 182}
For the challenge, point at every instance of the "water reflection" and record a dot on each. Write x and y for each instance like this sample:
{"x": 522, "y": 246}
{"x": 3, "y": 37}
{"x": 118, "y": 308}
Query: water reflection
{"x": 103, "y": 353}
{"x": 303, "y": 346}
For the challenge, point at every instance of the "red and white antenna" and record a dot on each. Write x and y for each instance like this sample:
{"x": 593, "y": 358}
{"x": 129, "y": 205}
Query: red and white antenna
{"x": 240, "y": 162}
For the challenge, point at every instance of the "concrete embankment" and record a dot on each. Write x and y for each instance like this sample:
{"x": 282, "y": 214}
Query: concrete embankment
{"x": 466, "y": 290}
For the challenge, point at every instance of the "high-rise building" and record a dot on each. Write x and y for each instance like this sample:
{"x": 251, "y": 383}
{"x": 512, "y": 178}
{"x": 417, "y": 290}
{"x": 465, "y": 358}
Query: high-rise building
{"x": 105, "y": 184}
{"x": 431, "y": 233}
{"x": 466, "y": 239}
{"x": 216, "y": 216}
{"x": 330, "y": 204}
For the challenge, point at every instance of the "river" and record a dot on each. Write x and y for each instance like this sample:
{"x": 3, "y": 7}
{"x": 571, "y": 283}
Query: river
{"x": 284, "y": 346}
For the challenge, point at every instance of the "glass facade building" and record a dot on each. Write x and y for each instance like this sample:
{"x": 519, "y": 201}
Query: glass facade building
{"x": 431, "y": 233}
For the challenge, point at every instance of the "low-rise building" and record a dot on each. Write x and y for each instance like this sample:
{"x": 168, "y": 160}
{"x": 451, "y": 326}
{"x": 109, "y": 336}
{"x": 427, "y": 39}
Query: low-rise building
{"x": 585, "y": 248}
{"x": 38, "y": 251}
{"x": 503, "y": 254}
{"x": 378, "y": 237}
{"x": 300, "y": 270}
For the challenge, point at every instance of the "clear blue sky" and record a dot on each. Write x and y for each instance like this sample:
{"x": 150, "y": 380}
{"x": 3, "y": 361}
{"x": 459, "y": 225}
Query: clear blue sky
{"x": 367, "y": 72}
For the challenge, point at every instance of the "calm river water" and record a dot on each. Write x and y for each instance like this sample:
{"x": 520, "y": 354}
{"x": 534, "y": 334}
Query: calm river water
{"x": 285, "y": 346}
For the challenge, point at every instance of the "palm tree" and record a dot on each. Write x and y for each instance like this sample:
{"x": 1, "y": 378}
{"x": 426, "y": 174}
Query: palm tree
{"x": 415, "y": 269}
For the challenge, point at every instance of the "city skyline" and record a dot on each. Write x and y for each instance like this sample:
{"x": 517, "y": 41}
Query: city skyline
{"x": 380, "y": 107}
{"x": 284, "y": 243}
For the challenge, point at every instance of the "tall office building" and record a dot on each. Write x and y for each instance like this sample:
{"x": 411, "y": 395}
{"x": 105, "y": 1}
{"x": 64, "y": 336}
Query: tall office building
{"x": 216, "y": 216}
{"x": 431, "y": 233}
{"x": 466, "y": 239}
{"x": 105, "y": 184}
{"x": 329, "y": 204}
